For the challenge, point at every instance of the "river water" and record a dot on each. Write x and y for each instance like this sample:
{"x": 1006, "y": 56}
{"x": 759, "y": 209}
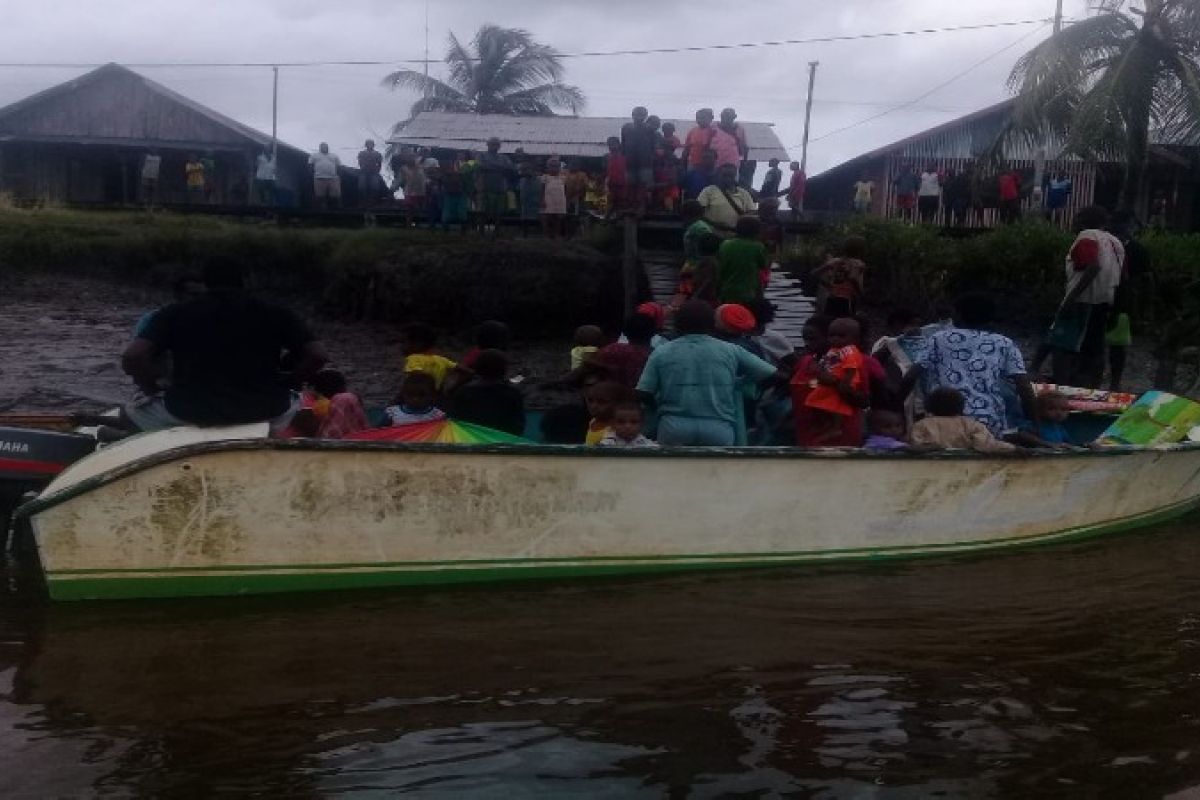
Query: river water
{"x": 1068, "y": 671}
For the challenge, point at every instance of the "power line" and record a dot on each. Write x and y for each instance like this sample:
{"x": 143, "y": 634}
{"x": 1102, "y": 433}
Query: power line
{"x": 587, "y": 54}
{"x": 935, "y": 89}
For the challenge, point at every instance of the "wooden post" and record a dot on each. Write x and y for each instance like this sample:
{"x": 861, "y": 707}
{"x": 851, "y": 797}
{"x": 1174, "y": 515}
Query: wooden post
{"x": 630, "y": 263}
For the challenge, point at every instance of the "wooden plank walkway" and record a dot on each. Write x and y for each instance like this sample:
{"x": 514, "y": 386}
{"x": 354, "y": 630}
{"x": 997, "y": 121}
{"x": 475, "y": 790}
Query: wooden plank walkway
{"x": 792, "y": 307}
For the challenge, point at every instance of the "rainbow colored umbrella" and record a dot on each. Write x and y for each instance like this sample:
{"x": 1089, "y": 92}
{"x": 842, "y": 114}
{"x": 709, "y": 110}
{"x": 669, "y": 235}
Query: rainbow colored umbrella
{"x": 442, "y": 431}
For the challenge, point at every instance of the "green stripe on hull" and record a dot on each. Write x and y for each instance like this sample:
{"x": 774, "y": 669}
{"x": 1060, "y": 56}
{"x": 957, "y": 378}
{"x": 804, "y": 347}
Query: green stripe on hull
{"x": 241, "y": 580}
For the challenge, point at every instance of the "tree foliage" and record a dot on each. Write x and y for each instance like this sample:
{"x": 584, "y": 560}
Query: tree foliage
{"x": 1104, "y": 84}
{"x": 504, "y": 71}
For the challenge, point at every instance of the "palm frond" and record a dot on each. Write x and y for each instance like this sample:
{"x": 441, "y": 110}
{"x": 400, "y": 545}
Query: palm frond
{"x": 421, "y": 83}
{"x": 544, "y": 99}
{"x": 1177, "y": 102}
{"x": 462, "y": 66}
{"x": 528, "y": 67}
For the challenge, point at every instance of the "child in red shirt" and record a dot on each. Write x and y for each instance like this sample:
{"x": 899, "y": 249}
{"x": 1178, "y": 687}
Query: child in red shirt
{"x": 837, "y": 392}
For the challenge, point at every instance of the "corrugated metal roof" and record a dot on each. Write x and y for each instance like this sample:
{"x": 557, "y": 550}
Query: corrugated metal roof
{"x": 113, "y": 70}
{"x": 970, "y": 136}
{"x": 563, "y": 136}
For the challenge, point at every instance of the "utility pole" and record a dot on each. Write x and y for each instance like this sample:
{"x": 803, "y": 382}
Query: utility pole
{"x": 1039, "y": 162}
{"x": 812, "y": 81}
{"x": 274, "y": 111}
{"x": 425, "y": 91}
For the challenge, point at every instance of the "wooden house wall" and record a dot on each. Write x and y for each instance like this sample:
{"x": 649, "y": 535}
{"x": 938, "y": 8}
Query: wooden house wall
{"x": 1082, "y": 175}
{"x": 107, "y": 174}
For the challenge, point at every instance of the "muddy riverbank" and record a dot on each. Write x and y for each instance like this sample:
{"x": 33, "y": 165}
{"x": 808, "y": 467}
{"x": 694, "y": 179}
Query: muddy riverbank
{"x": 61, "y": 338}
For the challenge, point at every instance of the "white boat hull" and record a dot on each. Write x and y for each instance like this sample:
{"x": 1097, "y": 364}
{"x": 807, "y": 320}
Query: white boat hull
{"x": 254, "y": 516}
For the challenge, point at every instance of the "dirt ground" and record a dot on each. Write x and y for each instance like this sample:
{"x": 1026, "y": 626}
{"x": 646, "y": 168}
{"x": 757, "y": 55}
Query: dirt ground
{"x": 61, "y": 339}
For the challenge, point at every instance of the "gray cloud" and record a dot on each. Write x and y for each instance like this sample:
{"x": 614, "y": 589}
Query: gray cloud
{"x": 345, "y": 105}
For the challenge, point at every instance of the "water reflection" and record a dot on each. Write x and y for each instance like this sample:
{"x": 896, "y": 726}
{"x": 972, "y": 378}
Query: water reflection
{"x": 1070, "y": 670}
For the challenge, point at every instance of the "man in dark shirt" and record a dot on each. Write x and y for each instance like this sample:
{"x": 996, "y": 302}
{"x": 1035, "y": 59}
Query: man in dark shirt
{"x": 774, "y": 177}
{"x": 494, "y": 171}
{"x": 370, "y": 163}
{"x": 638, "y": 141}
{"x": 225, "y": 349}
{"x": 490, "y": 400}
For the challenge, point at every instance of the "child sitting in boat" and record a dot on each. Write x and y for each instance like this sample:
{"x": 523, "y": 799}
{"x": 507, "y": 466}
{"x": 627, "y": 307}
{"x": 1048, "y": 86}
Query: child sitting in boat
{"x": 948, "y": 429}
{"x": 838, "y": 395}
{"x": 626, "y": 429}
{"x": 345, "y": 414}
{"x": 327, "y": 410}
{"x": 588, "y": 339}
{"x": 419, "y": 356}
{"x": 885, "y": 431}
{"x": 1049, "y": 431}
{"x": 417, "y": 401}
{"x": 602, "y": 400}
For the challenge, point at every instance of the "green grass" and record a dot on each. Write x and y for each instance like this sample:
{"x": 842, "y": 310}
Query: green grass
{"x": 539, "y": 286}
{"x": 1023, "y": 265}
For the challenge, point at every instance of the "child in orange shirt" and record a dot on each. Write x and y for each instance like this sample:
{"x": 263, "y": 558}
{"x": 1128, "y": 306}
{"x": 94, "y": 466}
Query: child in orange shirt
{"x": 839, "y": 391}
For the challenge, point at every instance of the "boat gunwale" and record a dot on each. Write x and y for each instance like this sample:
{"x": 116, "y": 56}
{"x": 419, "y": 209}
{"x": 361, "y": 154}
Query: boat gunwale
{"x": 42, "y": 503}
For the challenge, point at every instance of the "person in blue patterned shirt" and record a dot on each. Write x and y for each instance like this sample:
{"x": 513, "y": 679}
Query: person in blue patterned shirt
{"x": 978, "y": 363}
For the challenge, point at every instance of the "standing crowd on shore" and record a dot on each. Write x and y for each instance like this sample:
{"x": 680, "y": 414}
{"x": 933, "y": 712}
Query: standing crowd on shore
{"x": 965, "y": 196}
{"x": 703, "y": 371}
{"x": 649, "y": 167}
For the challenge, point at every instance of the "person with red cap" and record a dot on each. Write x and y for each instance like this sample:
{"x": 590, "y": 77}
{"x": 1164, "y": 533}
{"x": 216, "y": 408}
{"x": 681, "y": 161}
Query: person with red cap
{"x": 735, "y": 319}
{"x": 736, "y": 324}
{"x": 658, "y": 315}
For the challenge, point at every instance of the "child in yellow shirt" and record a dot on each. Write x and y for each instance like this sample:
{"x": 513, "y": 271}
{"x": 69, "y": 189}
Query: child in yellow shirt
{"x": 419, "y": 356}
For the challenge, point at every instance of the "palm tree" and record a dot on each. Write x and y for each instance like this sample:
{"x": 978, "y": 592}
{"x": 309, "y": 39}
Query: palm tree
{"x": 1101, "y": 85}
{"x": 508, "y": 73}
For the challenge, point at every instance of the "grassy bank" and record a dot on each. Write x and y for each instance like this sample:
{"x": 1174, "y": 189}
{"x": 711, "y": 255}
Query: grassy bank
{"x": 540, "y": 287}
{"x": 921, "y": 268}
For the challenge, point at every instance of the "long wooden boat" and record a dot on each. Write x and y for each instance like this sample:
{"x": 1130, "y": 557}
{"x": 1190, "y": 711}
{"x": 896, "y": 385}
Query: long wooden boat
{"x": 221, "y": 512}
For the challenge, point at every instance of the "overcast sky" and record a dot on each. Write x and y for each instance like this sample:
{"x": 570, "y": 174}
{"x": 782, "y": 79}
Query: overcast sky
{"x": 344, "y": 105}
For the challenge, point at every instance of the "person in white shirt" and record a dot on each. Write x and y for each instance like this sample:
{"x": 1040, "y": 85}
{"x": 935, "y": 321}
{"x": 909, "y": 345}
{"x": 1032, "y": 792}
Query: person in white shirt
{"x": 264, "y": 178}
{"x": 929, "y": 196}
{"x": 626, "y": 427}
{"x": 864, "y": 194}
{"x": 1094, "y": 269}
{"x": 151, "y": 166}
{"x": 327, "y": 186}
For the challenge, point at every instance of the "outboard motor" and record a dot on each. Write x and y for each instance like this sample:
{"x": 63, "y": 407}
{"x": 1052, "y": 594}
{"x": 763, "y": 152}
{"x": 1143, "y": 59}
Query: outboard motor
{"x": 29, "y": 459}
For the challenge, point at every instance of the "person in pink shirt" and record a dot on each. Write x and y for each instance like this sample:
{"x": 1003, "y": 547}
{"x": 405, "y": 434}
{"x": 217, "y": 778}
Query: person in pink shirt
{"x": 699, "y": 139}
{"x": 729, "y": 140}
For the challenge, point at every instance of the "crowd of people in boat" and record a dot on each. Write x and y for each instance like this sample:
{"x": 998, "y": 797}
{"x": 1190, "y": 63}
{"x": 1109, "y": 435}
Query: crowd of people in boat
{"x": 704, "y": 370}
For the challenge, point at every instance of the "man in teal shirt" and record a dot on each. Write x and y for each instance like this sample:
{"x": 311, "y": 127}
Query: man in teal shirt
{"x": 693, "y": 381}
